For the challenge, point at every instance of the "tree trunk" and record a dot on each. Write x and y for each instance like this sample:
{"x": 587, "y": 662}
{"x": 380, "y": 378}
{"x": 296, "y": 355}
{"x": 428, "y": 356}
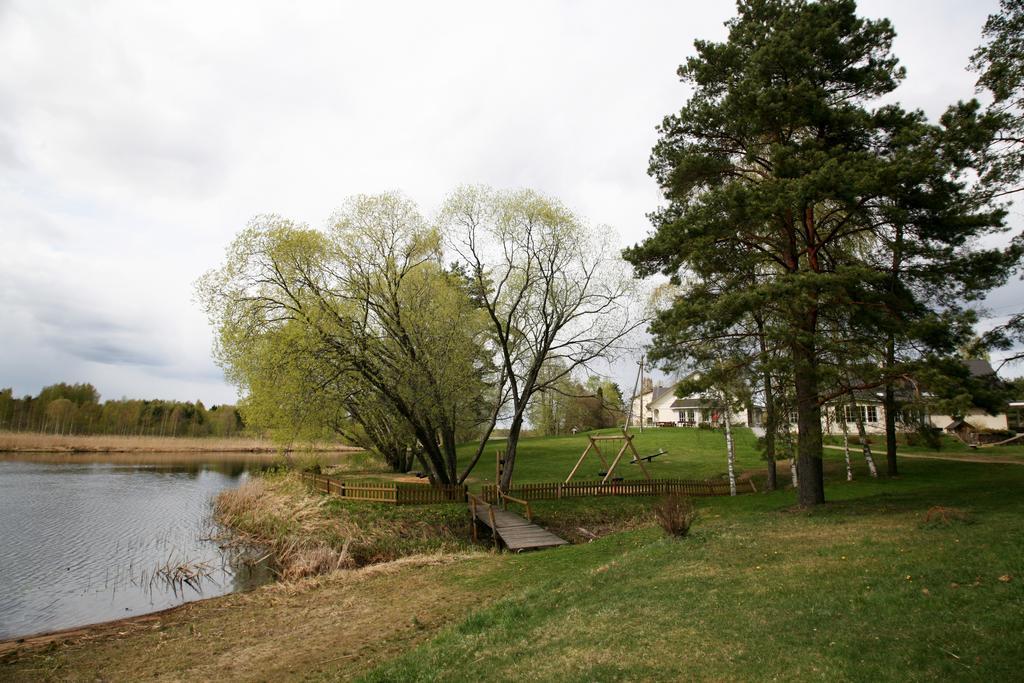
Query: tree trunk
{"x": 791, "y": 449}
{"x": 770, "y": 419}
{"x": 890, "y": 359}
{"x": 889, "y": 404}
{"x": 864, "y": 445}
{"x": 451, "y": 458}
{"x": 811, "y": 489}
{"x": 730, "y": 452}
{"x": 846, "y": 441}
{"x": 769, "y": 432}
{"x": 437, "y": 470}
{"x": 510, "y": 451}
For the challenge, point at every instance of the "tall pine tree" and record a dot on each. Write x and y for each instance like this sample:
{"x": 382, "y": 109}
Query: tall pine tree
{"x": 778, "y": 161}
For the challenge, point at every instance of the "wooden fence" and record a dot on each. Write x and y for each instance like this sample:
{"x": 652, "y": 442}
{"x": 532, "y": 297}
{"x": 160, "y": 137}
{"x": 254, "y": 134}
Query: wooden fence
{"x": 640, "y": 487}
{"x": 422, "y": 494}
{"x": 398, "y": 494}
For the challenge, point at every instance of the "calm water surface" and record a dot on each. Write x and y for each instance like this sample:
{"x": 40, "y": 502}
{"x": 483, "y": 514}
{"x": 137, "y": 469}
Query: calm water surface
{"x": 82, "y": 537}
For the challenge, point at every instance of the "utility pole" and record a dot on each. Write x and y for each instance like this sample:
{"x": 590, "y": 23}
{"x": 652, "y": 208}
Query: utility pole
{"x": 641, "y": 393}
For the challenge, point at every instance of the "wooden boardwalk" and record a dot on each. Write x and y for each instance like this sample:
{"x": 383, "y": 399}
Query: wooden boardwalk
{"x": 509, "y": 529}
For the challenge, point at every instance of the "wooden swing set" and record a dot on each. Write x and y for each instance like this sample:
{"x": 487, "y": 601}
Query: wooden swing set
{"x": 627, "y": 442}
{"x": 627, "y": 445}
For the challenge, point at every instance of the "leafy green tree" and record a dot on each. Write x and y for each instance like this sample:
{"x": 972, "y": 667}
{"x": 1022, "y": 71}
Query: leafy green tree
{"x": 369, "y": 308}
{"x": 553, "y": 290}
{"x": 778, "y": 165}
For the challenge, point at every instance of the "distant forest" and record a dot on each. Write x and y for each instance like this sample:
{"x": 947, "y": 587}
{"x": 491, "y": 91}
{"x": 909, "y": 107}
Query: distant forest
{"x": 76, "y": 409}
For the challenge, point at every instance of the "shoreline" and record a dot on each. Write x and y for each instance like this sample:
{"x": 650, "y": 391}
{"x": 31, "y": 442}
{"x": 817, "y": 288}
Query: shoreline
{"x": 101, "y": 629}
{"x": 339, "y": 624}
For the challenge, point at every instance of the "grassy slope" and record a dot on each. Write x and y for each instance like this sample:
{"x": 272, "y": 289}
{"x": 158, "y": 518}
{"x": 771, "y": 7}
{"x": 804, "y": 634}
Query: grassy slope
{"x": 758, "y": 591}
{"x": 691, "y": 454}
{"x": 858, "y": 590}
{"x": 948, "y": 446}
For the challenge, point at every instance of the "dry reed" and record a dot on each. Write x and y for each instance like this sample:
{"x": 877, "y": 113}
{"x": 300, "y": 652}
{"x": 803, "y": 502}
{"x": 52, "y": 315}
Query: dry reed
{"x": 305, "y": 535}
{"x": 111, "y": 443}
{"x": 287, "y": 527}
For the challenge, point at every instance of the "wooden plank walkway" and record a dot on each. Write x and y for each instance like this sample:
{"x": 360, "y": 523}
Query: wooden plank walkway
{"x": 513, "y": 531}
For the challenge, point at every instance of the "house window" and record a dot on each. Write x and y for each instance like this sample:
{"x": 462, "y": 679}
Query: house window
{"x": 866, "y": 413}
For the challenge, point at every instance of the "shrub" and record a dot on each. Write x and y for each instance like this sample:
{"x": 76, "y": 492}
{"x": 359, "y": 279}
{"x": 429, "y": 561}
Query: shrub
{"x": 925, "y": 435}
{"x": 675, "y": 514}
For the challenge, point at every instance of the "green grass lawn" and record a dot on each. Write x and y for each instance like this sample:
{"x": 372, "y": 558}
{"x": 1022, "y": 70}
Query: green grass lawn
{"x": 690, "y": 454}
{"x": 948, "y": 445}
{"x": 859, "y": 589}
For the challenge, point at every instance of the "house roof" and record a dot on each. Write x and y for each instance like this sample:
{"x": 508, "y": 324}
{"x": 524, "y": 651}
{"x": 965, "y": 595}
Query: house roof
{"x": 958, "y": 423}
{"x": 657, "y": 392}
{"x": 979, "y": 367}
{"x": 661, "y": 391}
{"x": 688, "y": 403}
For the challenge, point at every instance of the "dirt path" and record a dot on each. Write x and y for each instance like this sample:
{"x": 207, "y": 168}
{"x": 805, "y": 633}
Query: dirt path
{"x": 954, "y": 457}
{"x": 334, "y": 627}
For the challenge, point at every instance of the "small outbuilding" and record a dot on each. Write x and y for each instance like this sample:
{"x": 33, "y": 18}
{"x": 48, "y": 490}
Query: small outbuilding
{"x": 964, "y": 430}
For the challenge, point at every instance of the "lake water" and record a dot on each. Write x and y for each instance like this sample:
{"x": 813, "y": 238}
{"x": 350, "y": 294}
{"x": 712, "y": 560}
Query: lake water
{"x": 82, "y": 537}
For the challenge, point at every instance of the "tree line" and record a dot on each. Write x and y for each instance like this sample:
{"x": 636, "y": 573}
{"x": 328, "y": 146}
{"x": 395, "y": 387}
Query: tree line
{"x": 76, "y": 409}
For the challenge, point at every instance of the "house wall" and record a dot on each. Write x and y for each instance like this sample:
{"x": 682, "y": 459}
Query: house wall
{"x": 829, "y": 424}
{"x": 977, "y": 418}
{"x": 654, "y": 411}
{"x": 832, "y": 426}
{"x": 661, "y": 410}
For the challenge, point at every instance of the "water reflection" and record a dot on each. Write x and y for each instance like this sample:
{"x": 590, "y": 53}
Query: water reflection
{"x": 87, "y": 537}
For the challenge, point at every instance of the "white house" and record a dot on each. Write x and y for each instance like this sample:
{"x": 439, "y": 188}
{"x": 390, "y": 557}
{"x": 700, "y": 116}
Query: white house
{"x": 660, "y": 407}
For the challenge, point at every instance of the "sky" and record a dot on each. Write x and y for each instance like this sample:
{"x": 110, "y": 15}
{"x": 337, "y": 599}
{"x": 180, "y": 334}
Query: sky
{"x": 137, "y": 138}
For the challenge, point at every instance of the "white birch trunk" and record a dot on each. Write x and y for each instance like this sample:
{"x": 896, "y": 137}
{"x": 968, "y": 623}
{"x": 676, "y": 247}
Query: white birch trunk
{"x": 865, "y": 446}
{"x": 846, "y": 441}
{"x": 793, "y": 475}
{"x": 731, "y": 451}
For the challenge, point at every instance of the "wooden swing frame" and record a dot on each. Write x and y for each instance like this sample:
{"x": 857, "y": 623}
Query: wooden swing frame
{"x": 627, "y": 440}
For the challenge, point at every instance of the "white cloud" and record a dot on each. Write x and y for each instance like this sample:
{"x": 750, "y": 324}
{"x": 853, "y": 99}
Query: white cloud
{"x": 136, "y": 138}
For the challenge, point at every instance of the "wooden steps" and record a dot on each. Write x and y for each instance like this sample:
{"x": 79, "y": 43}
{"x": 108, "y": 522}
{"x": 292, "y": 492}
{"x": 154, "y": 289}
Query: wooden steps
{"x": 513, "y": 531}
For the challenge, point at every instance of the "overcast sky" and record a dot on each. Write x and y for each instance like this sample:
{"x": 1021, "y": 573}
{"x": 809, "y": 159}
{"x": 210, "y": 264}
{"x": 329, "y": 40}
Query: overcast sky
{"x": 136, "y": 138}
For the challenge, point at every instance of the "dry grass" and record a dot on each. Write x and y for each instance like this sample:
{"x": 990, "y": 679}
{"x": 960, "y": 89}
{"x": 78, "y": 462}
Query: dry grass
{"x": 939, "y": 515}
{"x": 331, "y": 627}
{"x": 100, "y": 443}
{"x": 288, "y": 526}
{"x": 308, "y": 534}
